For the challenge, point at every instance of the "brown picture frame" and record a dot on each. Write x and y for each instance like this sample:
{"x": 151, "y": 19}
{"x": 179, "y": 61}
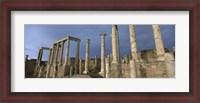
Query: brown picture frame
{"x": 193, "y": 96}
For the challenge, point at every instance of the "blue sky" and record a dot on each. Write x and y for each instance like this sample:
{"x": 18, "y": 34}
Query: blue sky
{"x": 37, "y": 36}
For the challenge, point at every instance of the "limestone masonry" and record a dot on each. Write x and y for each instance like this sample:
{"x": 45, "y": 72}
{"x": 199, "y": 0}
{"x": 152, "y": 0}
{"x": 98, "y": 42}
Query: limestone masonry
{"x": 158, "y": 63}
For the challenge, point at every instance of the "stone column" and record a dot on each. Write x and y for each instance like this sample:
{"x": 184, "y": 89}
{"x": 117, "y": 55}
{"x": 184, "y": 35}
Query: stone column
{"x": 133, "y": 43}
{"x": 108, "y": 67}
{"x": 55, "y": 61}
{"x": 80, "y": 66}
{"x": 115, "y": 47}
{"x": 158, "y": 42}
{"x": 66, "y": 66}
{"x": 67, "y": 52}
{"x": 102, "y": 72}
{"x": 96, "y": 61}
{"x": 134, "y": 56}
{"x": 87, "y": 56}
{"x": 61, "y": 53}
{"x": 40, "y": 57}
{"x": 38, "y": 62}
{"x": 77, "y": 57}
{"x": 115, "y": 66}
{"x": 52, "y": 54}
{"x": 117, "y": 38}
{"x": 49, "y": 63}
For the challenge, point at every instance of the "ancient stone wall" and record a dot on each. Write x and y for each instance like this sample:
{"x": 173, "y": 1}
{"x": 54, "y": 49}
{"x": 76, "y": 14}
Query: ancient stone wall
{"x": 150, "y": 67}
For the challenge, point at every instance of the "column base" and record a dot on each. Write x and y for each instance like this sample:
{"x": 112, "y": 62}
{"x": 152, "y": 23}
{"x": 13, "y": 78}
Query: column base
{"x": 160, "y": 58}
{"x": 133, "y": 70}
{"x": 102, "y": 73}
{"x": 116, "y": 70}
{"x": 86, "y": 72}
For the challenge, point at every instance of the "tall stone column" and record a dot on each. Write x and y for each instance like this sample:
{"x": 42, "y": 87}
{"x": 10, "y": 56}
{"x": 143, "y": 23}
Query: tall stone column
{"x": 115, "y": 66}
{"x": 55, "y": 61}
{"x": 61, "y": 53}
{"x": 117, "y": 38}
{"x": 77, "y": 57}
{"x": 49, "y": 63}
{"x": 36, "y": 72}
{"x": 115, "y": 47}
{"x": 52, "y": 54}
{"x": 66, "y": 66}
{"x": 102, "y": 72}
{"x": 80, "y": 66}
{"x": 67, "y": 52}
{"x": 40, "y": 67}
{"x": 134, "y": 56}
{"x": 158, "y": 42}
{"x": 133, "y": 43}
{"x": 87, "y": 56}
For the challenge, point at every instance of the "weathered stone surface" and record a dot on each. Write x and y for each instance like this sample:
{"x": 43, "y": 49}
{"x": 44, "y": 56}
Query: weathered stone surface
{"x": 103, "y": 72}
{"x": 87, "y": 56}
{"x": 158, "y": 41}
{"x": 133, "y": 70}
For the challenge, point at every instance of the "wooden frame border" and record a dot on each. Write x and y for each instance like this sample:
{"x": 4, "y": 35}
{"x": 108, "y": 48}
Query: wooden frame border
{"x": 104, "y": 5}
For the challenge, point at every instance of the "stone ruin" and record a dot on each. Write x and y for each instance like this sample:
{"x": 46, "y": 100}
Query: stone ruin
{"x": 158, "y": 63}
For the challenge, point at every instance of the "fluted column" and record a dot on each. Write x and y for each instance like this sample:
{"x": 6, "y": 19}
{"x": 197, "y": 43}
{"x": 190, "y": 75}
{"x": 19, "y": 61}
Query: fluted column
{"x": 87, "y": 56}
{"x": 158, "y": 42}
{"x": 102, "y": 72}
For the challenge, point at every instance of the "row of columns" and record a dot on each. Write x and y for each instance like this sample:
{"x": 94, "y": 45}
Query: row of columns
{"x": 134, "y": 53}
{"x": 56, "y": 56}
{"x": 56, "y": 52}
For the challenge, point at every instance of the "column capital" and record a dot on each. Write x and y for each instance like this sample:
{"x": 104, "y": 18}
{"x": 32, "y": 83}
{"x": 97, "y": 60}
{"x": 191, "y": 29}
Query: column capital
{"x": 102, "y": 34}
